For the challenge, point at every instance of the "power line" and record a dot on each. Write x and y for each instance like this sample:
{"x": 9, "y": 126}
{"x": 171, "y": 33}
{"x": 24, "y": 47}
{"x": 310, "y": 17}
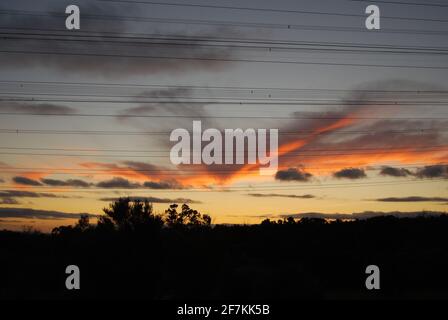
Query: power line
{"x": 199, "y": 38}
{"x": 251, "y": 89}
{"x": 297, "y": 46}
{"x": 191, "y": 99}
{"x": 240, "y": 189}
{"x": 395, "y": 149}
{"x": 163, "y": 171}
{"x": 216, "y": 117}
{"x": 188, "y": 97}
{"x": 222, "y": 101}
{"x": 172, "y": 172}
{"x": 266, "y": 61}
{"x": 406, "y": 3}
{"x": 206, "y": 41}
{"x": 150, "y": 133}
{"x": 355, "y": 48}
{"x": 227, "y": 23}
{"x": 167, "y": 155}
{"x": 176, "y": 4}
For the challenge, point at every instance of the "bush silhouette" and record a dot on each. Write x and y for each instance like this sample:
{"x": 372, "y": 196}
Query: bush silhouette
{"x": 187, "y": 217}
{"x": 127, "y": 215}
{"x": 83, "y": 223}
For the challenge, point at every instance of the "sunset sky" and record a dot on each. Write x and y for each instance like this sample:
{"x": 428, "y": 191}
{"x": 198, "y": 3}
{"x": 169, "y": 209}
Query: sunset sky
{"x": 85, "y": 115}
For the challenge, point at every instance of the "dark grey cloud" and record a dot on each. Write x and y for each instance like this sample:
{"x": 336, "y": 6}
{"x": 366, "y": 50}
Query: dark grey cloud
{"x": 12, "y": 221}
{"x": 26, "y": 181}
{"x": 26, "y": 213}
{"x": 395, "y": 172}
{"x": 118, "y": 182}
{"x": 77, "y": 183}
{"x": 146, "y": 168}
{"x": 116, "y": 56}
{"x": 121, "y": 183}
{"x": 27, "y": 107}
{"x": 174, "y": 103}
{"x": 9, "y": 201}
{"x": 413, "y": 199}
{"x": 276, "y": 195}
{"x": 156, "y": 200}
{"x": 162, "y": 185}
{"x": 350, "y": 173}
{"x": 293, "y": 174}
{"x": 434, "y": 171}
{"x": 28, "y": 194}
{"x": 170, "y": 101}
{"x": 357, "y": 215}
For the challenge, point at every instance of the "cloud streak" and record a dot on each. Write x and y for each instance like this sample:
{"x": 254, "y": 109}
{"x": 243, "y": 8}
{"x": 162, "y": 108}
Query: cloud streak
{"x": 117, "y": 56}
{"x": 395, "y": 172}
{"x": 350, "y": 173}
{"x": 76, "y": 183}
{"x": 26, "y": 213}
{"x": 156, "y": 200}
{"x": 413, "y": 199}
{"x": 275, "y": 195}
{"x": 26, "y": 181}
{"x": 25, "y": 107}
{"x": 9, "y": 201}
{"x": 28, "y": 194}
{"x": 118, "y": 183}
{"x": 357, "y": 215}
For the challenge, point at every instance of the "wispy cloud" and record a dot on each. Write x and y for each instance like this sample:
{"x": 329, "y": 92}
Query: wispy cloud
{"x": 118, "y": 57}
{"x": 28, "y": 194}
{"x": 8, "y": 201}
{"x": 76, "y": 183}
{"x": 26, "y": 213}
{"x": 122, "y": 183}
{"x": 26, "y": 181}
{"x": 27, "y": 107}
{"x": 162, "y": 185}
{"x": 118, "y": 183}
{"x": 357, "y": 215}
{"x": 156, "y": 200}
{"x": 276, "y": 195}
{"x": 148, "y": 175}
{"x": 413, "y": 199}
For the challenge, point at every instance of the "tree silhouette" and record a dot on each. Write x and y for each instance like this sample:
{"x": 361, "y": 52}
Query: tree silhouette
{"x": 83, "y": 223}
{"x": 186, "y": 217}
{"x": 127, "y": 215}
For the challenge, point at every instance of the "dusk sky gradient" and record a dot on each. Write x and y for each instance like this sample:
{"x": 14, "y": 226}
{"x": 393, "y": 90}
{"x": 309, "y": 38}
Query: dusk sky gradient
{"x": 361, "y": 114}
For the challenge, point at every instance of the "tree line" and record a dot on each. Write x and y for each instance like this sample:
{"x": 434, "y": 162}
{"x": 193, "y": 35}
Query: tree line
{"x": 129, "y": 215}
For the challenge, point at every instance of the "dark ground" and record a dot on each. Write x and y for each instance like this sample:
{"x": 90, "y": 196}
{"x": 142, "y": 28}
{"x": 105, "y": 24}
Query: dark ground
{"x": 310, "y": 259}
